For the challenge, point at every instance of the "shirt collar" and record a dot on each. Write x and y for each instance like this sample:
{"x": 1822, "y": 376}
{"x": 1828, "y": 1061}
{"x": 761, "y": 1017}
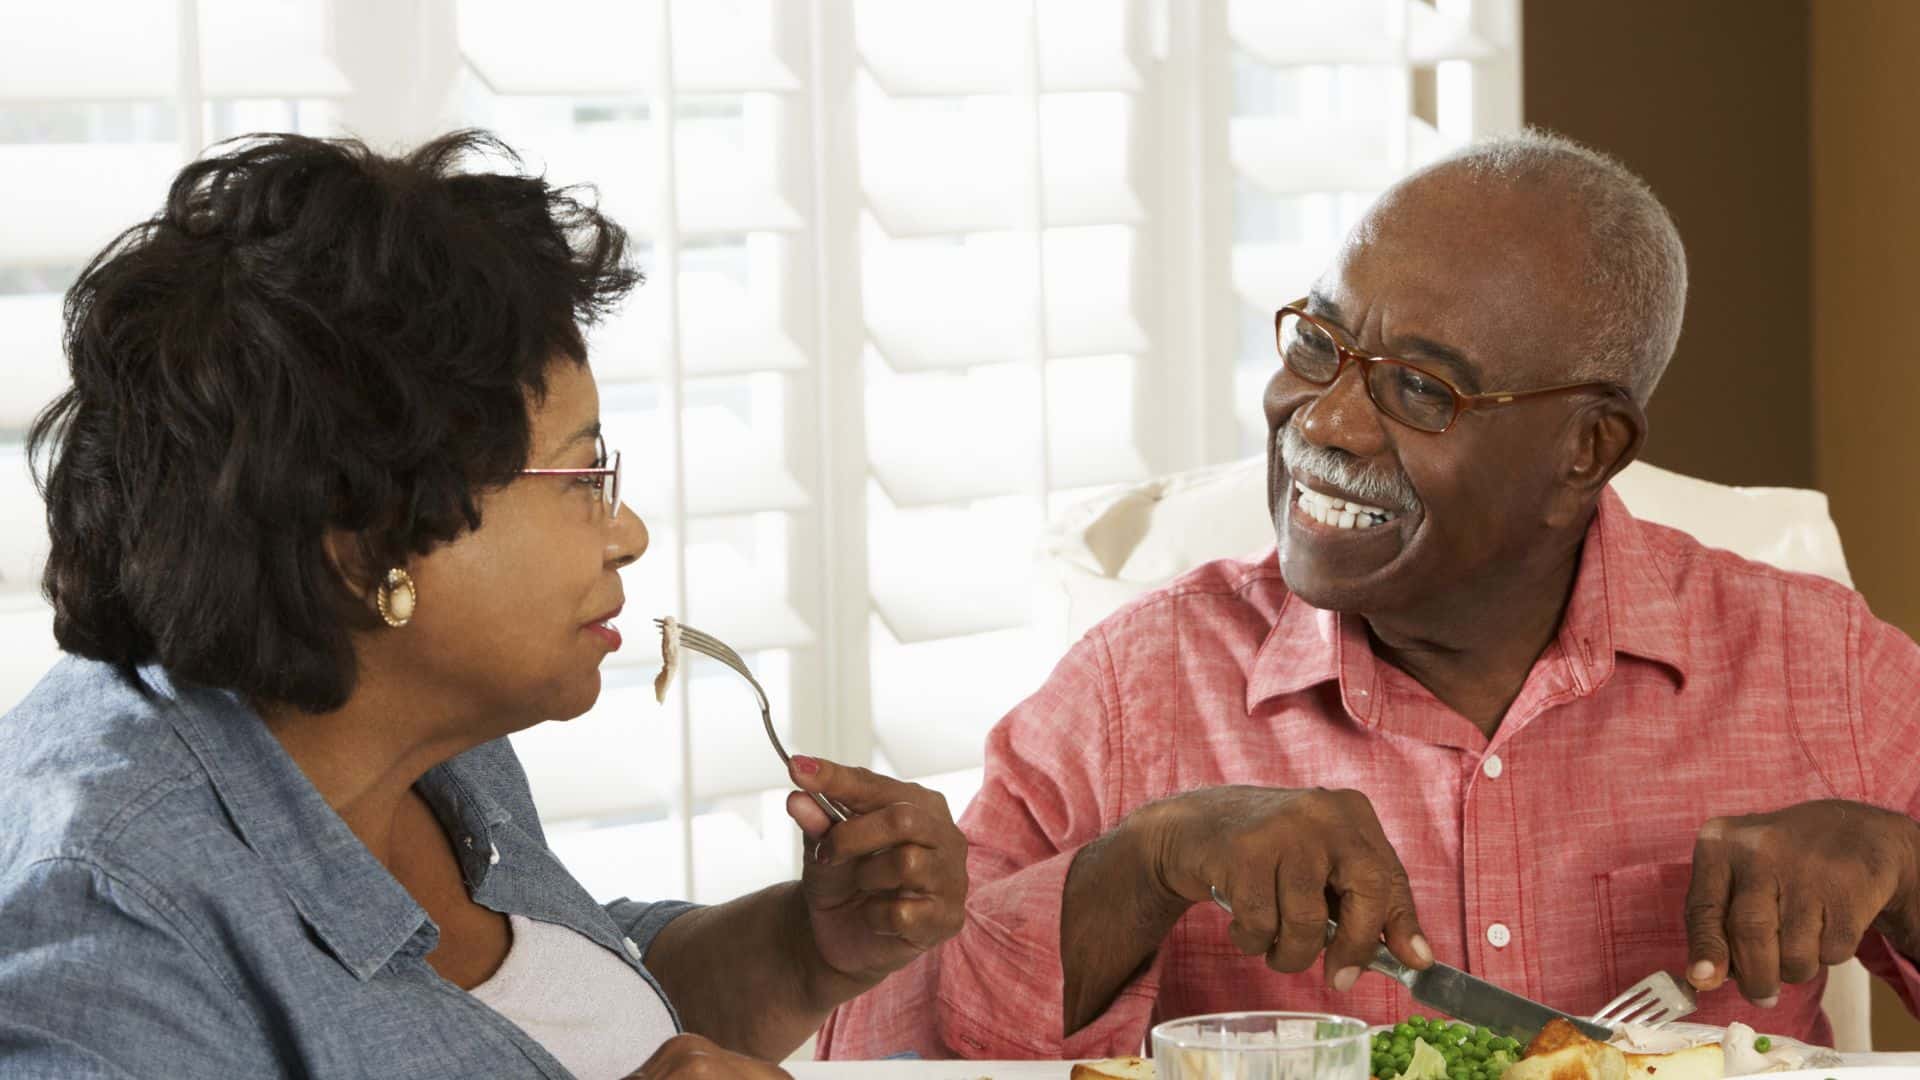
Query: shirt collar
{"x": 354, "y": 905}
{"x": 1620, "y": 603}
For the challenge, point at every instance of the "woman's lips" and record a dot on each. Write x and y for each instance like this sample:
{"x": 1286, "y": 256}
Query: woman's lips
{"x": 607, "y": 633}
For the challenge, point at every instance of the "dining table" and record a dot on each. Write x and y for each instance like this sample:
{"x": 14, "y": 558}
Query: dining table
{"x": 1059, "y": 1070}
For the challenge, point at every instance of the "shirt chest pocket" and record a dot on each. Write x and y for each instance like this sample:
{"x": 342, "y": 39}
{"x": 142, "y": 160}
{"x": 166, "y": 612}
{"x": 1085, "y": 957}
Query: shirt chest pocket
{"x": 1642, "y": 920}
{"x": 1643, "y": 929}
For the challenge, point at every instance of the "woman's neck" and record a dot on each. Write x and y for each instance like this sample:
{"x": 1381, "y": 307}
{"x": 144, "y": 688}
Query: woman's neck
{"x": 365, "y": 756}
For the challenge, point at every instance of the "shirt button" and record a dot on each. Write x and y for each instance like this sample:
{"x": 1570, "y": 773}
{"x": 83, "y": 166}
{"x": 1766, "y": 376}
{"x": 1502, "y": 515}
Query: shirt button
{"x": 467, "y": 840}
{"x": 1493, "y": 766}
{"x": 1499, "y": 936}
{"x": 493, "y": 854}
{"x": 633, "y": 950}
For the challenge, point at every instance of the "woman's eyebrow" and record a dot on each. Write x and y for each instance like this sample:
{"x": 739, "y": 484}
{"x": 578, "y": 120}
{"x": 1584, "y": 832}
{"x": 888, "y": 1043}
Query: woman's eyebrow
{"x": 588, "y": 432}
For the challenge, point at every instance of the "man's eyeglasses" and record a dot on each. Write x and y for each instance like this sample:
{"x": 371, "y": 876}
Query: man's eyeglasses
{"x": 604, "y": 477}
{"x": 1416, "y": 397}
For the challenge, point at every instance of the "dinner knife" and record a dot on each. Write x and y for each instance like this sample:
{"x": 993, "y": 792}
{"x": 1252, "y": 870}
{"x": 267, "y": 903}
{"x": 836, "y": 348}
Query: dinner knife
{"x": 1449, "y": 990}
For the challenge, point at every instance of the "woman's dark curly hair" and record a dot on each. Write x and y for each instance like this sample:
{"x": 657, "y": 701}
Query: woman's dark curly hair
{"x": 308, "y": 337}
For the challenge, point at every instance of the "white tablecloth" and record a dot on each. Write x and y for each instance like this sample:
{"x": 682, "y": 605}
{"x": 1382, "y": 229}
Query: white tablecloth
{"x": 929, "y": 1070}
{"x": 1057, "y": 1070}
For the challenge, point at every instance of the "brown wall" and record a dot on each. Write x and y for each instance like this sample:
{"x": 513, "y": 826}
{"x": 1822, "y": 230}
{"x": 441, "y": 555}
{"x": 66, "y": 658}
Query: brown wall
{"x": 1866, "y": 280}
{"x": 1866, "y": 290}
{"x": 1785, "y": 137}
{"x": 1706, "y": 99}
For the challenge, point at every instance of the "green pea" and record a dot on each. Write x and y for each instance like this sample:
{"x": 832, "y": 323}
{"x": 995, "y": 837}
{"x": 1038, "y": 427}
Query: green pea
{"x": 1763, "y": 1044}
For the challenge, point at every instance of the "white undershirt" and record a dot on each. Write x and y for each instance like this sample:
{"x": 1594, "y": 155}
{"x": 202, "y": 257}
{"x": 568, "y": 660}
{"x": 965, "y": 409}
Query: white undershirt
{"x": 591, "y": 1011}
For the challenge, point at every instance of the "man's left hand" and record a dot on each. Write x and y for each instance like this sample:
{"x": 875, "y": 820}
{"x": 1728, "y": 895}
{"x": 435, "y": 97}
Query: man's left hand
{"x": 1778, "y": 897}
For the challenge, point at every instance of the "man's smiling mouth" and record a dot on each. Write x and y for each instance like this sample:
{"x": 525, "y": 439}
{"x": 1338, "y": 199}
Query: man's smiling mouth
{"x": 1339, "y": 513}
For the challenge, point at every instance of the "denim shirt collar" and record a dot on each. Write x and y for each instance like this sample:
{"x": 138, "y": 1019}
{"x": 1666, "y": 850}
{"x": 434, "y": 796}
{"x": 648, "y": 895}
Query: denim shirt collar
{"x": 354, "y": 905}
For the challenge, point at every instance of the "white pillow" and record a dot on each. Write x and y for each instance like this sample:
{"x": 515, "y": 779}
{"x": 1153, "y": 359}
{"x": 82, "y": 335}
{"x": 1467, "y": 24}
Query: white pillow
{"x": 1103, "y": 553}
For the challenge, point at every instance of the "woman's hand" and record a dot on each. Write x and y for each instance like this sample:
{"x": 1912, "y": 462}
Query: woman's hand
{"x": 884, "y": 886}
{"x": 692, "y": 1057}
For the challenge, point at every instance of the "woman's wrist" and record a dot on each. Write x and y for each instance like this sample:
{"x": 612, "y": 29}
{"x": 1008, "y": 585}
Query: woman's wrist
{"x": 823, "y": 986}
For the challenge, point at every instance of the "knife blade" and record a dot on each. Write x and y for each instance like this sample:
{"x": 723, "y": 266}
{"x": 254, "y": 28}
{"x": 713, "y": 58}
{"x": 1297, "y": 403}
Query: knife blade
{"x": 1446, "y": 989}
{"x": 1449, "y": 990}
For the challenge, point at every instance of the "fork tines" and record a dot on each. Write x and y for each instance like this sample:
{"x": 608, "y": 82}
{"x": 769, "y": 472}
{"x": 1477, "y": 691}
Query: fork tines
{"x": 1652, "y": 1001}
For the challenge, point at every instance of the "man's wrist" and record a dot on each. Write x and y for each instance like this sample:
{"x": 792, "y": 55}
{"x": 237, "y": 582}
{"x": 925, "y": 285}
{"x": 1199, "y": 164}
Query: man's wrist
{"x": 1149, "y": 838}
{"x": 1900, "y": 922}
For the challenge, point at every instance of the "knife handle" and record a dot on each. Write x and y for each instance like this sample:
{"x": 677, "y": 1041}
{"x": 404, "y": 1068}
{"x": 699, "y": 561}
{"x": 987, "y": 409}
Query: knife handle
{"x": 1383, "y": 961}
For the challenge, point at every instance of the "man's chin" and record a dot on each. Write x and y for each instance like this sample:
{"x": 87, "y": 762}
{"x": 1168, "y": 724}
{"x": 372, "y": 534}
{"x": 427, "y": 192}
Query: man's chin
{"x": 1347, "y": 578}
{"x": 1329, "y": 592}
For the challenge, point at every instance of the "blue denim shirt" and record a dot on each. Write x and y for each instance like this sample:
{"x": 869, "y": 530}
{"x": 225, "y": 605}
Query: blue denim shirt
{"x": 177, "y": 900}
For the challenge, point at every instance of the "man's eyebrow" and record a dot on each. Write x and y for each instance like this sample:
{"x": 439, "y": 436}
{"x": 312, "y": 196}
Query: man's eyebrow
{"x": 1321, "y": 304}
{"x": 1431, "y": 351}
{"x": 1414, "y": 346}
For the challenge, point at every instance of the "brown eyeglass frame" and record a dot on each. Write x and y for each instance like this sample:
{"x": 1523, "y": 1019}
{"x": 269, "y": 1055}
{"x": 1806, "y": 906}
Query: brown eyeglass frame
{"x": 1462, "y": 401}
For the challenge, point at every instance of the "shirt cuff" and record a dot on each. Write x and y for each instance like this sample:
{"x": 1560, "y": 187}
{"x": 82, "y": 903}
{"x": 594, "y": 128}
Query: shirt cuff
{"x": 1900, "y": 971}
{"x": 1002, "y": 985}
{"x": 642, "y": 922}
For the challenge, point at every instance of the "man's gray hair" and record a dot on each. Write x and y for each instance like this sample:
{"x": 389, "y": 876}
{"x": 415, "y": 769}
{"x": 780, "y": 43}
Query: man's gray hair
{"x": 1636, "y": 272}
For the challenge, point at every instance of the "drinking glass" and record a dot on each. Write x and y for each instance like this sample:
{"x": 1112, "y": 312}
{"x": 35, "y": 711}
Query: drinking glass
{"x": 1262, "y": 1046}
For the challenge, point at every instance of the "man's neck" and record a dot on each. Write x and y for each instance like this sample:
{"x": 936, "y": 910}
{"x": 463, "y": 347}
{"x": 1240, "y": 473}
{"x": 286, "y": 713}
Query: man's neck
{"x": 1474, "y": 651}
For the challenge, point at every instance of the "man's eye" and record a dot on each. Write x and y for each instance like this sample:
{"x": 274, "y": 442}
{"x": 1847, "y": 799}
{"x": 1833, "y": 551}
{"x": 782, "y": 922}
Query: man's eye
{"x": 1415, "y": 384}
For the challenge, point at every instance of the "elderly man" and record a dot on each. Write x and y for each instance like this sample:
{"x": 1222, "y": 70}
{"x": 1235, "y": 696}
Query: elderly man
{"x": 1470, "y": 705}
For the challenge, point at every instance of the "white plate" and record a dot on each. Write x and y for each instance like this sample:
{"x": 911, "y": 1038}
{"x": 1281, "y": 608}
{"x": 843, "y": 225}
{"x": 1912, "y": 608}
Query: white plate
{"x": 1707, "y": 1033}
{"x": 1849, "y": 1073}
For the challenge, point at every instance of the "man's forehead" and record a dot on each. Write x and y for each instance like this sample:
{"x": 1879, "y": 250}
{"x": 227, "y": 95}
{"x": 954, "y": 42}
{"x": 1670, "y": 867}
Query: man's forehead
{"x": 1479, "y": 268}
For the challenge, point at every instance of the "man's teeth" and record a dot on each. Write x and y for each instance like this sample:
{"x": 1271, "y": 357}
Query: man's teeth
{"x": 1341, "y": 513}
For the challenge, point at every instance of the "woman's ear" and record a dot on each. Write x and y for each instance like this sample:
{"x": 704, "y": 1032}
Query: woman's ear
{"x": 1600, "y": 439}
{"x": 352, "y": 562}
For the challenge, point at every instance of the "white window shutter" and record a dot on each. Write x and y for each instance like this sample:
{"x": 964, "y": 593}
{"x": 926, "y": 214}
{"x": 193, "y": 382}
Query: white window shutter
{"x": 921, "y": 274}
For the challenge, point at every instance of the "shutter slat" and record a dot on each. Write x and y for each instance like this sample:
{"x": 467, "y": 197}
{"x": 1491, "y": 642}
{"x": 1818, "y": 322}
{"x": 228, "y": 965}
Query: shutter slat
{"x": 984, "y": 554}
{"x": 23, "y": 526}
{"x": 947, "y": 167}
{"x": 35, "y": 367}
{"x": 55, "y": 52}
{"x": 925, "y": 733}
{"x": 102, "y": 188}
{"x": 932, "y": 47}
{"x": 599, "y": 47}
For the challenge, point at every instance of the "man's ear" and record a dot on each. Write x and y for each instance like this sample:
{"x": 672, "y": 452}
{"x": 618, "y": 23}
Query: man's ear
{"x": 1600, "y": 439}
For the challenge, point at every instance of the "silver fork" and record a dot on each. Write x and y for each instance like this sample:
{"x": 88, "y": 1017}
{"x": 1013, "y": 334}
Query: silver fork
{"x": 1655, "y": 1001}
{"x": 712, "y": 647}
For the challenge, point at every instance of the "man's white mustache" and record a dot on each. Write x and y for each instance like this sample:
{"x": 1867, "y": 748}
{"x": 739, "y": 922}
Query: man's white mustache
{"x": 1388, "y": 490}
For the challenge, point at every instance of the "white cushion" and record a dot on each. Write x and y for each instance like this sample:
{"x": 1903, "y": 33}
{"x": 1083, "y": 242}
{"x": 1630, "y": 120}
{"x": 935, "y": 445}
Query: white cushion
{"x": 1103, "y": 553}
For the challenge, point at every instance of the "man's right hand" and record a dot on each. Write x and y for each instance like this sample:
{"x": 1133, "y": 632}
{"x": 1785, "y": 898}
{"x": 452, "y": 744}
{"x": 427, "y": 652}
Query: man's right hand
{"x": 1287, "y": 861}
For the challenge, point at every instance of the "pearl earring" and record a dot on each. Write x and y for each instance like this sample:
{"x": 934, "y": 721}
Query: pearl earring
{"x": 396, "y": 598}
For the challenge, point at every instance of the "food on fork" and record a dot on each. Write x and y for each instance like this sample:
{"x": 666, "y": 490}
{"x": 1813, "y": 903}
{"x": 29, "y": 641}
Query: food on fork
{"x": 669, "y": 657}
{"x": 1127, "y": 1068}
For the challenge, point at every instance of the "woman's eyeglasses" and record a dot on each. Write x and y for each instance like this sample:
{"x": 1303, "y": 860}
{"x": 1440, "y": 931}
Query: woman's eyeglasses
{"x": 605, "y": 477}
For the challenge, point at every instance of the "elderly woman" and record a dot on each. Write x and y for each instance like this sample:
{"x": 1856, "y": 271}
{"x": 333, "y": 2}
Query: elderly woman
{"x": 331, "y": 516}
